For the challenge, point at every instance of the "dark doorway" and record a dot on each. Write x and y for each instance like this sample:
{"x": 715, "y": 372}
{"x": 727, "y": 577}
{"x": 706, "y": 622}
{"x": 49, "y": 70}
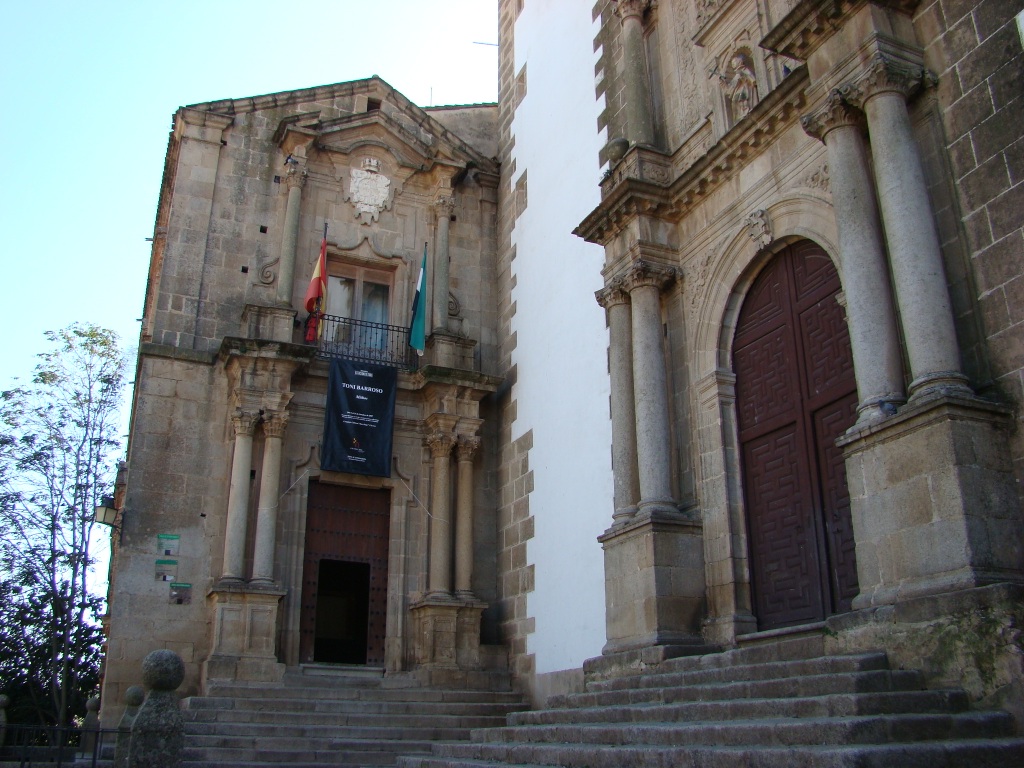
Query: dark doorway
{"x": 795, "y": 395}
{"x": 345, "y": 575}
{"x": 342, "y": 612}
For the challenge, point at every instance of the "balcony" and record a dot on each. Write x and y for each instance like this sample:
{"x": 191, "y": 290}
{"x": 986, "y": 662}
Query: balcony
{"x": 363, "y": 342}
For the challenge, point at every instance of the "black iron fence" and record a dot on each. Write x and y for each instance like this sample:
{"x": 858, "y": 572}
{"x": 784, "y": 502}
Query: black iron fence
{"x": 362, "y": 341}
{"x": 29, "y": 745}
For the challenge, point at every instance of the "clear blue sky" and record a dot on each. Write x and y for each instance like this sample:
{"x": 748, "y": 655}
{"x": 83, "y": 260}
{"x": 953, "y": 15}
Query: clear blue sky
{"x": 87, "y": 91}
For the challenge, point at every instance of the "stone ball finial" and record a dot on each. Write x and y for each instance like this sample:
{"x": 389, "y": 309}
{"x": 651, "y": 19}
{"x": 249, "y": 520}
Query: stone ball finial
{"x": 163, "y": 670}
{"x": 134, "y": 696}
{"x": 93, "y": 704}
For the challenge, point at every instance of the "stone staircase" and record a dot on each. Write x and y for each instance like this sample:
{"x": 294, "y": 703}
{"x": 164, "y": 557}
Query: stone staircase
{"x": 780, "y": 705}
{"x": 345, "y": 719}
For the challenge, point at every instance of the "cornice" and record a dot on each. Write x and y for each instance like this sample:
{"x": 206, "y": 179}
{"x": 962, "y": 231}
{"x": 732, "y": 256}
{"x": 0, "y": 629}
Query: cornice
{"x": 812, "y": 22}
{"x": 635, "y": 192}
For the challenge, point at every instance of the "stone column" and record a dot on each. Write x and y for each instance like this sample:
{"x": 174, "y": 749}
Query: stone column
{"x": 465, "y": 450}
{"x": 295, "y": 178}
{"x": 441, "y": 440}
{"x": 444, "y": 207}
{"x": 615, "y": 300}
{"x": 650, "y": 393}
{"x": 871, "y": 317}
{"x": 636, "y": 78}
{"x": 270, "y": 484}
{"x": 914, "y": 253}
{"x": 238, "y": 496}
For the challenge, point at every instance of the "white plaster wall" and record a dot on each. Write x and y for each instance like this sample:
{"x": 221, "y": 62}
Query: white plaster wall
{"x": 561, "y": 354}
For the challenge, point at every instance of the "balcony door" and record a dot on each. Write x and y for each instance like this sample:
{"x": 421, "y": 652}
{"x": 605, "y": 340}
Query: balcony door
{"x": 360, "y": 299}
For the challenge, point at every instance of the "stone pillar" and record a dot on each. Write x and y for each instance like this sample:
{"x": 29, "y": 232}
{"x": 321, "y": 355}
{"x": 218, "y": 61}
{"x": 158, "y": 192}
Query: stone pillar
{"x": 295, "y": 178}
{"x": 270, "y": 483}
{"x": 238, "y": 496}
{"x": 466, "y": 448}
{"x": 650, "y": 393}
{"x": 871, "y": 317}
{"x": 636, "y": 78}
{"x": 440, "y": 439}
{"x": 615, "y": 300}
{"x": 914, "y": 253}
{"x": 133, "y": 699}
{"x": 158, "y": 733}
{"x": 444, "y": 207}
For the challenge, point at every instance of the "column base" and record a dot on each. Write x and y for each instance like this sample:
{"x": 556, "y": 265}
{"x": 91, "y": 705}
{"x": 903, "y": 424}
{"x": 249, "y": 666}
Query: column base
{"x": 654, "y": 581}
{"x": 934, "y": 501}
{"x": 244, "y": 633}
{"x": 449, "y": 350}
{"x": 447, "y": 632}
{"x": 270, "y": 323}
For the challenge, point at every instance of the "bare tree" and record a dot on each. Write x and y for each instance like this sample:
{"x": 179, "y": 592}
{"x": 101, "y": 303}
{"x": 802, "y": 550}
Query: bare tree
{"x": 58, "y": 446}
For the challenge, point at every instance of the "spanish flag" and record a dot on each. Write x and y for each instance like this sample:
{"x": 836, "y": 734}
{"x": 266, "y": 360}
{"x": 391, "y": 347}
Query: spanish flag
{"x": 316, "y": 294}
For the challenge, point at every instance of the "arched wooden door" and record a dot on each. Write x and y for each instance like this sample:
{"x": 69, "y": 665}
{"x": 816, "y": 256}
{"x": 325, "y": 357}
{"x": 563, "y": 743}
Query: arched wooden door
{"x": 795, "y": 394}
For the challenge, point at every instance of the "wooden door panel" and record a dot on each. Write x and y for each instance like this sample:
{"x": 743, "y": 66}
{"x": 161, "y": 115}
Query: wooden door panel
{"x": 782, "y": 535}
{"x": 795, "y": 394}
{"x": 829, "y": 424}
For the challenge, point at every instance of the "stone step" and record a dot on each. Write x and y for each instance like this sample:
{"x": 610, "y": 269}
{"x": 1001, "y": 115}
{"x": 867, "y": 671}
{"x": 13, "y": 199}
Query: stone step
{"x": 769, "y": 732}
{"x": 803, "y": 646}
{"x": 366, "y": 728}
{"x": 831, "y": 705}
{"x": 947, "y": 754}
{"x": 714, "y": 669}
{"x": 296, "y": 711}
{"x": 329, "y": 740}
{"x": 788, "y": 687}
{"x": 204, "y": 719}
{"x": 341, "y": 751}
{"x": 349, "y": 693}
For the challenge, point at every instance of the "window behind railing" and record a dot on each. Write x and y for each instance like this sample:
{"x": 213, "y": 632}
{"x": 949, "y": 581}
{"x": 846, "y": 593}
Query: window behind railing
{"x": 365, "y": 342}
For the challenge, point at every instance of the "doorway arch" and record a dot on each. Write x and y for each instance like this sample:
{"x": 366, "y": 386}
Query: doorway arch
{"x": 795, "y": 394}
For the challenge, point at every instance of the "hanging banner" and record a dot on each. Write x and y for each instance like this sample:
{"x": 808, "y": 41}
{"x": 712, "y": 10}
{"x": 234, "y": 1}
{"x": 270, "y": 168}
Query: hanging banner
{"x": 360, "y": 418}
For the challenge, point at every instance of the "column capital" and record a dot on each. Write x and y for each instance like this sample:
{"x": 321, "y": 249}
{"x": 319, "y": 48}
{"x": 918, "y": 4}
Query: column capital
{"x": 440, "y": 443}
{"x": 274, "y": 424}
{"x": 613, "y": 294}
{"x": 884, "y": 74}
{"x": 444, "y": 205}
{"x": 624, "y": 9}
{"x": 467, "y": 447}
{"x": 295, "y": 176}
{"x": 836, "y": 112}
{"x": 644, "y": 273}
{"x": 244, "y": 421}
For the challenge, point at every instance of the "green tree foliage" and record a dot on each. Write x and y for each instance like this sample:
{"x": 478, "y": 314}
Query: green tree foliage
{"x": 58, "y": 450}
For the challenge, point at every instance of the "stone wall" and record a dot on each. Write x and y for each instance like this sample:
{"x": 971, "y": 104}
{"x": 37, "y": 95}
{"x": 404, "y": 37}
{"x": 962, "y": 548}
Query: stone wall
{"x": 975, "y": 50}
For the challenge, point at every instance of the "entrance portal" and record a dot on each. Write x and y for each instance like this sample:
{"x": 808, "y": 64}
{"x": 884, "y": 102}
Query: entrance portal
{"x": 795, "y": 395}
{"x": 344, "y": 575}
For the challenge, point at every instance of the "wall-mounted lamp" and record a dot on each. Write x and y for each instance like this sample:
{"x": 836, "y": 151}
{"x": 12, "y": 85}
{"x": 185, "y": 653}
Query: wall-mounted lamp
{"x": 106, "y": 513}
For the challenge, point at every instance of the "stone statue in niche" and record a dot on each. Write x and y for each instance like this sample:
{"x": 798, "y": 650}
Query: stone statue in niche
{"x": 740, "y": 85}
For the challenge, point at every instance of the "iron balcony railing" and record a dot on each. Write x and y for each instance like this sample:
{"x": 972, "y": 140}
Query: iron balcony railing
{"x": 361, "y": 341}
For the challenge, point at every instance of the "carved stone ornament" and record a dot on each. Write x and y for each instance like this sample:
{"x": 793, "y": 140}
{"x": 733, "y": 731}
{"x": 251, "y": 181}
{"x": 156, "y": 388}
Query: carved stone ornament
{"x": 369, "y": 190}
{"x": 836, "y": 112}
{"x": 759, "y": 227}
{"x": 613, "y": 294}
{"x": 884, "y": 74}
{"x": 626, "y": 8}
{"x": 819, "y": 179}
{"x": 644, "y": 273}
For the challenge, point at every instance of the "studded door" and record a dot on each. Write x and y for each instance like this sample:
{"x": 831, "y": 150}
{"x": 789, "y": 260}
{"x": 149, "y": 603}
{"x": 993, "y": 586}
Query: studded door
{"x": 795, "y": 394}
{"x": 345, "y": 526}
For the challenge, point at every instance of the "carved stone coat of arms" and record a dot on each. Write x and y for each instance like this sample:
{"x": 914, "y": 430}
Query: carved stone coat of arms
{"x": 369, "y": 190}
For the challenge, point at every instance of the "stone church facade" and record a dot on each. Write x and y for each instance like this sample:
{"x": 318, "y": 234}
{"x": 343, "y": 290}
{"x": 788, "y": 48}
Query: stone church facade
{"x": 811, "y": 277}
